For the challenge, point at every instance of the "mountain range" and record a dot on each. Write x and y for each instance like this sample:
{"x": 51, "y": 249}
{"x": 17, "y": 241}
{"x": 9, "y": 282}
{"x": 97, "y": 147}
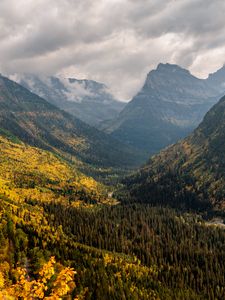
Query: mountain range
{"x": 38, "y": 123}
{"x": 88, "y": 100}
{"x": 170, "y": 105}
{"x": 190, "y": 173}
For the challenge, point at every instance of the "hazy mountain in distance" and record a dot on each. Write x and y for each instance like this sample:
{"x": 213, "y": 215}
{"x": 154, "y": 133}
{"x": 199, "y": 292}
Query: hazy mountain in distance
{"x": 190, "y": 173}
{"x": 88, "y": 100}
{"x": 171, "y": 104}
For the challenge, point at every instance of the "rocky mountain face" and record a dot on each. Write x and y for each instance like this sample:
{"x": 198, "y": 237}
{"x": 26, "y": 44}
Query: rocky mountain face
{"x": 171, "y": 104}
{"x": 217, "y": 80}
{"x": 190, "y": 173}
{"x": 33, "y": 120}
{"x": 88, "y": 100}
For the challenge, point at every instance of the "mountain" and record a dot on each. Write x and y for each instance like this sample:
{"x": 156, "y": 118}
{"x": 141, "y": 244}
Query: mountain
{"x": 171, "y": 104}
{"x": 88, "y": 100}
{"x": 217, "y": 79}
{"x": 189, "y": 173}
{"x": 35, "y": 121}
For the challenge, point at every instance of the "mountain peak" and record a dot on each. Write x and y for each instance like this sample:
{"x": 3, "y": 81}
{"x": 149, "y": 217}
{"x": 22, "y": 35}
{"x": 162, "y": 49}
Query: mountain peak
{"x": 168, "y": 71}
{"x": 174, "y": 83}
{"x": 167, "y": 67}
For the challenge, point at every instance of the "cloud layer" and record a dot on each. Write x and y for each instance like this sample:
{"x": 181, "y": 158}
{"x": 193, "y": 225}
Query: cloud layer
{"x": 113, "y": 41}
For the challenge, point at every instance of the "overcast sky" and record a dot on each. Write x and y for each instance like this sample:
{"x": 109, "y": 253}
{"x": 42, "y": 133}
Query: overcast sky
{"x": 113, "y": 41}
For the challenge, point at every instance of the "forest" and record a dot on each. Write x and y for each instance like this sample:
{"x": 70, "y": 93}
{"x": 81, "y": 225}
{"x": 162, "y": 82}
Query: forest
{"x": 125, "y": 251}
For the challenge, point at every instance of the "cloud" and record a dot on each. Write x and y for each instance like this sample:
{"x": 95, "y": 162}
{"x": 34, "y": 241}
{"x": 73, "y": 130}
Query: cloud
{"x": 75, "y": 91}
{"x": 113, "y": 41}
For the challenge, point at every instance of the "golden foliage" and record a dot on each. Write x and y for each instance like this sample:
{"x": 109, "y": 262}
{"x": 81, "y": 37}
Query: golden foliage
{"x": 37, "y": 175}
{"x": 50, "y": 285}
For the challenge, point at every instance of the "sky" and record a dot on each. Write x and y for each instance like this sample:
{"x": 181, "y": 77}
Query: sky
{"x": 112, "y": 41}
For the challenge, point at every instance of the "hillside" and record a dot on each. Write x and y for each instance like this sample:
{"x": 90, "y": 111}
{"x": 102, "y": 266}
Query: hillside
{"x": 33, "y": 175}
{"x": 39, "y": 123}
{"x": 88, "y": 100}
{"x": 170, "y": 105}
{"x": 189, "y": 173}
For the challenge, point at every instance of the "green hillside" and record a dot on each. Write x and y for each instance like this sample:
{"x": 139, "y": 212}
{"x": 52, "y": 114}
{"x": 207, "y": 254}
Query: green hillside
{"x": 189, "y": 173}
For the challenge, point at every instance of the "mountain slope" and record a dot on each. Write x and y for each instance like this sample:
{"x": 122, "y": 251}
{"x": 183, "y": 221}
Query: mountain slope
{"x": 40, "y": 124}
{"x": 88, "y": 100}
{"x": 190, "y": 173}
{"x": 171, "y": 104}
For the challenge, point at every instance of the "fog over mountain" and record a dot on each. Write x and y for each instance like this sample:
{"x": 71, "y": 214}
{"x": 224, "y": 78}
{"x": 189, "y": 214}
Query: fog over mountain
{"x": 88, "y": 100}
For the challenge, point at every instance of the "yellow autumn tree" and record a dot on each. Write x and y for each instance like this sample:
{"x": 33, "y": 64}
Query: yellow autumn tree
{"x": 50, "y": 285}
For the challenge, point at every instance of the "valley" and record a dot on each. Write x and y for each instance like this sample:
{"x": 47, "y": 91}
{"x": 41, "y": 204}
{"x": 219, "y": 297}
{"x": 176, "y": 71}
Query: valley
{"x": 82, "y": 203}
